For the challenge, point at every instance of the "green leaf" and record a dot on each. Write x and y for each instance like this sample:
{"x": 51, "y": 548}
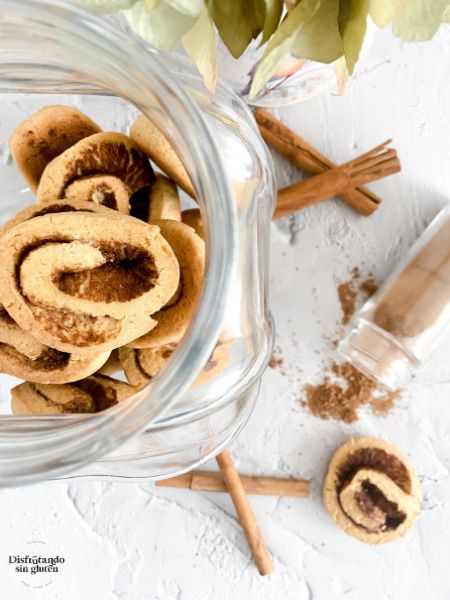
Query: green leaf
{"x": 200, "y": 44}
{"x": 163, "y": 26}
{"x": 281, "y": 42}
{"x": 352, "y": 25}
{"x": 106, "y": 7}
{"x": 383, "y": 11}
{"x": 274, "y": 8}
{"x": 238, "y": 22}
{"x": 320, "y": 38}
{"x": 192, "y": 8}
{"x": 418, "y": 20}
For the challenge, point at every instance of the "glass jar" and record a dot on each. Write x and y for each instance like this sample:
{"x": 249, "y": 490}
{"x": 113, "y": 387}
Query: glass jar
{"x": 400, "y": 326}
{"x": 52, "y": 52}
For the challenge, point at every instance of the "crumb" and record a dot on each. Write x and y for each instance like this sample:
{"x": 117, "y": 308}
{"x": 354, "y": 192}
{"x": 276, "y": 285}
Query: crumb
{"x": 348, "y": 293}
{"x": 277, "y": 360}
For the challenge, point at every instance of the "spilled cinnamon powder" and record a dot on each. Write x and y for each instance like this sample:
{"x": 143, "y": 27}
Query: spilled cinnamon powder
{"x": 342, "y": 394}
{"x": 348, "y": 293}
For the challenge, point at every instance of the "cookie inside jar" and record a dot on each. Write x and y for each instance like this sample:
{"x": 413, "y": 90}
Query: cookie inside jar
{"x": 108, "y": 258}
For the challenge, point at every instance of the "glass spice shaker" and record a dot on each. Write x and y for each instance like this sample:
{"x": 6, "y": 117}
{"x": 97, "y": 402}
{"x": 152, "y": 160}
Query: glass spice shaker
{"x": 404, "y": 321}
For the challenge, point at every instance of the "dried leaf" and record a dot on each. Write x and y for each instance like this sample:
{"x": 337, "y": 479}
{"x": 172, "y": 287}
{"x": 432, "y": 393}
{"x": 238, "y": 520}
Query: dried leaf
{"x": 238, "y": 22}
{"x": 106, "y": 7}
{"x": 200, "y": 44}
{"x": 418, "y": 20}
{"x": 320, "y": 38}
{"x": 163, "y": 26}
{"x": 281, "y": 42}
{"x": 192, "y": 8}
{"x": 342, "y": 75}
{"x": 352, "y": 25}
{"x": 383, "y": 11}
{"x": 274, "y": 8}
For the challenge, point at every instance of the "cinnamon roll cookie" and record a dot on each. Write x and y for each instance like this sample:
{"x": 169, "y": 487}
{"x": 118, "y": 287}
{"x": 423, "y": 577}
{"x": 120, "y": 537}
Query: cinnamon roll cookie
{"x": 24, "y": 356}
{"x": 90, "y": 395}
{"x": 159, "y": 201}
{"x": 140, "y": 365}
{"x": 104, "y": 190}
{"x": 85, "y": 281}
{"x": 62, "y": 206}
{"x": 106, "y": 154}
{"x": 45, "y": 135}
{"x": 193, "y": 218}
{"x": 372, "y": 491}
{"x": 156, "y": 146}
{"x": 173, "y": 319}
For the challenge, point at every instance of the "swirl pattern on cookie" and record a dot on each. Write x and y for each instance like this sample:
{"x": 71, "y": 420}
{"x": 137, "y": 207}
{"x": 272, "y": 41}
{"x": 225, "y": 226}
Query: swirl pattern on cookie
{"x": 90, "y": 395}
{"x": 104, "y": 190}
{"x": 106, "y": 153}
{"x": 174, "y": 318}
{"x": 140, "y": 365}
{"x": 371, "y": 491}
{"x": 85, "y": 281}
{"x": 24, "y": 356}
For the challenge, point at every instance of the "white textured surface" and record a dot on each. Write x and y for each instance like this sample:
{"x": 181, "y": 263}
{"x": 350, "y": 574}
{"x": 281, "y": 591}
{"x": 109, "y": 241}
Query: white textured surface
{"x": 124, "y": 541}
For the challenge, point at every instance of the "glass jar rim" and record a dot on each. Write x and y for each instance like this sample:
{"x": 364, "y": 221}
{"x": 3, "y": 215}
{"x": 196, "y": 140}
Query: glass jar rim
{"x": 89, "y": 51}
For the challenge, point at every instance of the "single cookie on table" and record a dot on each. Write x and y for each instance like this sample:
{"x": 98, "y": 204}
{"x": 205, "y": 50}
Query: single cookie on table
{"x": 140, "y": 365}
{"x": 174, "y": 318}
{"x": 22, "y": 355}
{"x": 372, "y": 491}
{"x": 106, "y": 153}
{"x": 156, "y": 146}
{"x": 104, "y": 190}
{"x": 193, "y": 218}
{"x": 158, "y": 201}
{"x": 90, "y": 395}
{"x": 84, "y": 282}
{"x": 45, "y": 135}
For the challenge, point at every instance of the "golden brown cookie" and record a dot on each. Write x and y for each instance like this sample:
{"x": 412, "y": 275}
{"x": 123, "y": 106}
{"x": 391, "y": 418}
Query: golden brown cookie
{"x": 45, "y": 135}
{"x": 217, "y": 363}
{"x": 62, "y": 206}
{"x": 174, "y": 318}
{"x": 156, "y": 146}
{"x": 193, "y": 218}
{"x": 106, "y": 153}
{"x": 104, "y": 190}
{"x": 24, "y": 356}
{"x": 158, "y": 201}
{"x": 85, "y": 281}
{"x": 140, "y": 365}
{"x": 372, "y": 491}
{"x": 164, "y": 200}
{"x": 90, "y": 395}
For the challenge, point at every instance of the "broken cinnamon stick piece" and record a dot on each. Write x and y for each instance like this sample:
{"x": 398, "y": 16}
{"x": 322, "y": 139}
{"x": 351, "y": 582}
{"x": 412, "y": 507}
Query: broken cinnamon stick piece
{"x": 245, "y": 513}
{"x": 374, "y": 164}
{"x": 307, "y": 158}
{"x": 212, "y": 481}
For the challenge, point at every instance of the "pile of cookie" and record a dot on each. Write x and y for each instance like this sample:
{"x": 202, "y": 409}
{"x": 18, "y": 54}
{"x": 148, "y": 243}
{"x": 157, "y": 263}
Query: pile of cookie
{"x": 105, "y": 266}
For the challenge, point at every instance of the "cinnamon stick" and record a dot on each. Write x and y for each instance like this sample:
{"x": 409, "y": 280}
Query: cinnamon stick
{"x": 212, "y": 481}
{"x": 375, "y": 164}
{"x": 302, "y": 154}
{"x": 245, "y": 513}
